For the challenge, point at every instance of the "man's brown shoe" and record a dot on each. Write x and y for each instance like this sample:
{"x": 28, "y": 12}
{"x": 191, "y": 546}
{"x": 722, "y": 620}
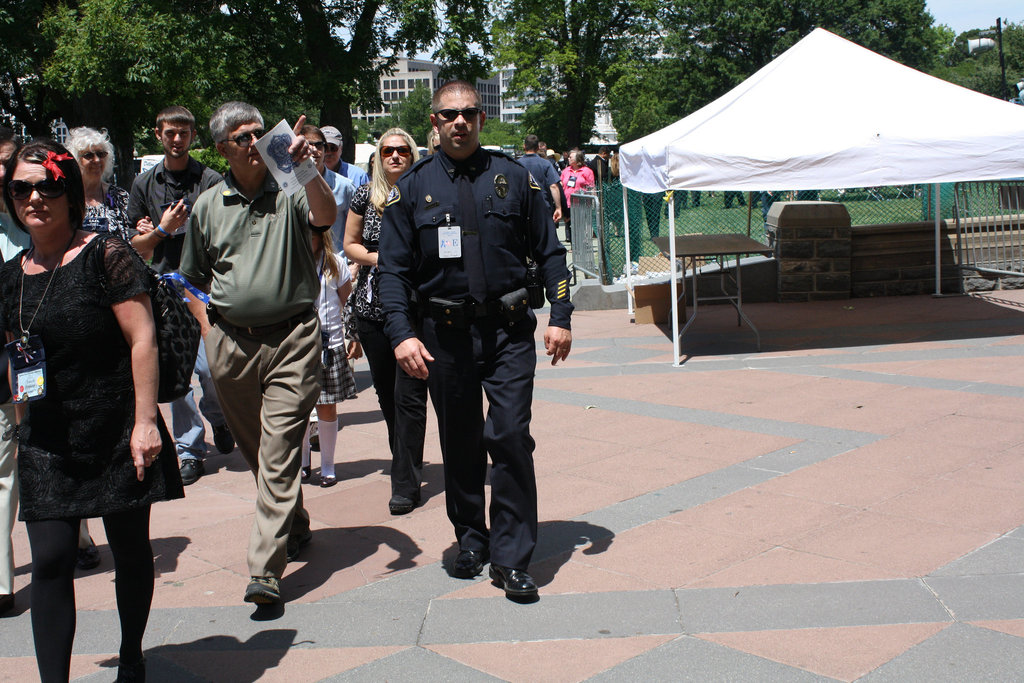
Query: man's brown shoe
{"x": 263, "y": 590}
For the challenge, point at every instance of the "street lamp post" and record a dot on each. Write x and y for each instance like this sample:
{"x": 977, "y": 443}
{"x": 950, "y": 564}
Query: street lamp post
{"x": 985, "y": 44}
{"x": 1002, "y": 62}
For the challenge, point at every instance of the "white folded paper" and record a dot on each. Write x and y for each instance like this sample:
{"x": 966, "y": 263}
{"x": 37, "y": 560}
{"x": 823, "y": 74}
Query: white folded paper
{"x": 273, "y": 147}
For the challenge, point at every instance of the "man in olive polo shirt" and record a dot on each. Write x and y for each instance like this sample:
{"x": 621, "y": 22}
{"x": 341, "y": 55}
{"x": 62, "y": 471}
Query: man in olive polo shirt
{"x": 248, "y": 246}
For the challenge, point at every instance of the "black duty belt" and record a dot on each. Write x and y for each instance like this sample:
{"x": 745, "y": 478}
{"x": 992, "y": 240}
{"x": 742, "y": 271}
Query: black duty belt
{"x": 459, "y": 314}
{"x": 260, "y": 330}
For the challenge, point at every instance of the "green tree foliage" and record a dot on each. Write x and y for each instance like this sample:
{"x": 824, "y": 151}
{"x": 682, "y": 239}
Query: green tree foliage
{"x": 411, "y": 115}
{"x": 561, "y": 51}
{"x": 501, "y": 133}
{"x": 710, "y": 46}
{"x": 981, "y": 71}
{"x": 209, "y": 156}
{"x": 361, "y": 131}
{"x": 114, "y": 63}
{"x": 22, "y": 50}
{"x": 339, "y": 49}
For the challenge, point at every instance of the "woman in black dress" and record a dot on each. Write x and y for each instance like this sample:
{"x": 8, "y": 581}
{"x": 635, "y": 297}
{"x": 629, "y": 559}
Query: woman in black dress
{"x": 88, "y": 445}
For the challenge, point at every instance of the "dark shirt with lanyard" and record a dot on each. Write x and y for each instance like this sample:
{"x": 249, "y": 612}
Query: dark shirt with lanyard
{"x": 157, "y": 189}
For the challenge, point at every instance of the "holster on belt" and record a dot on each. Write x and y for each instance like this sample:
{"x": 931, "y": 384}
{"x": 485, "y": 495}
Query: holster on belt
{"x": 514, "y": 305}
{"x": 460, "y": 314}
{"x": 450, "y": 313}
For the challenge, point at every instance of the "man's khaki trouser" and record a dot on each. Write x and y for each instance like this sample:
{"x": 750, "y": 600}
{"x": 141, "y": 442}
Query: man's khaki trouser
{"x": 267, "y": 388}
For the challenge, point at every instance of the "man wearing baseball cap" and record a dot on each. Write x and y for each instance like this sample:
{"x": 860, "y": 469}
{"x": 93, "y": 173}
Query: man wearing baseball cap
{"x": 333, "y": 161}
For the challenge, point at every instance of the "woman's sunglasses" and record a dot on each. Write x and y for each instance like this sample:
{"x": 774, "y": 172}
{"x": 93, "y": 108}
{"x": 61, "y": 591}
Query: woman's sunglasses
{"x": 403, "y": 150}
{"x": 100, "y": 154}
{"x": 22, "y": 189}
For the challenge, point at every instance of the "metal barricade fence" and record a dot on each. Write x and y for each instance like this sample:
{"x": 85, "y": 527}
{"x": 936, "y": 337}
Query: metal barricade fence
{"x": 586, "y": 236}
{"x": 990, "y": 227}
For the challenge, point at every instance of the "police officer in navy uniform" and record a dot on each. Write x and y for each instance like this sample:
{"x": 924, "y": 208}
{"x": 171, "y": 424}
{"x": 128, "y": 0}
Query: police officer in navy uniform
{"x": 457, "y": 231}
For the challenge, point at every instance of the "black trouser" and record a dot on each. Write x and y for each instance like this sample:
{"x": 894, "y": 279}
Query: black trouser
{"x": 54, "y": 545}
{"x": 498, "y": 360}
{"x": 403, "y": 400}
{"x": 653, "y": 208}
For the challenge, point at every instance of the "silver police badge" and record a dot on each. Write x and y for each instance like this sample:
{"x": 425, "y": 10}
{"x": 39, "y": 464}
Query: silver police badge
{"x": 501, "y": 186}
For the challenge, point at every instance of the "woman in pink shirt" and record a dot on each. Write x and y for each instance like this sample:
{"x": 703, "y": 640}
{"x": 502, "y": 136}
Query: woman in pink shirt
{"x": 575, "y": 177}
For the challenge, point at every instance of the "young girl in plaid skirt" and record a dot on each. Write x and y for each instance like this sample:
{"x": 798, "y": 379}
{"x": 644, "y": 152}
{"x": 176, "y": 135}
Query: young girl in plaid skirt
{"x": 336, "y": 381}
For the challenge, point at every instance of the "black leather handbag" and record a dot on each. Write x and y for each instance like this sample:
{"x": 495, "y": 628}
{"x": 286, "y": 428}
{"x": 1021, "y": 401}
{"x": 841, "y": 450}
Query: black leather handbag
{"x": 177, "y": 339}
{"x": 177, "y": 332}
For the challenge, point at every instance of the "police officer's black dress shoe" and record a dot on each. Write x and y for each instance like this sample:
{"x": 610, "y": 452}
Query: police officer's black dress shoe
{"x": 6, "y": 603}
{"x": 400, "y": 505}
{"x": 469, "y": 563}
{"x": 518, "y": 585}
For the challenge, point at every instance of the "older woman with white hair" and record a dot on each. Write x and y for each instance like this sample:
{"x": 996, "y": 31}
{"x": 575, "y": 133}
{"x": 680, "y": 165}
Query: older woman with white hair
{"x": 106, "y": 205}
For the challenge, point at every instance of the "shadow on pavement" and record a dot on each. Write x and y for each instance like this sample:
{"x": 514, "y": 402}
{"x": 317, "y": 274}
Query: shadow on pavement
{"x": 217, "y": 658}
{"x": 335, "y": 549}
{"x": 849, "y": 323}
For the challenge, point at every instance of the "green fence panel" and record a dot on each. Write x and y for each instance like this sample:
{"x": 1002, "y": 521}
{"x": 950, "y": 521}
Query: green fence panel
{"x": 718, "y": 213}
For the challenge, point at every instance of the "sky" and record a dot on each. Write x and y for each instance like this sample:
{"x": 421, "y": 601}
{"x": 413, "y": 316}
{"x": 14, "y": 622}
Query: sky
{"x": 963, "y": 15}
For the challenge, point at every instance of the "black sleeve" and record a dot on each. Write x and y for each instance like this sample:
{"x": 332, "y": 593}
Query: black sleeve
{"x": 124, "y": 274}
{"x": 550, "y": 256}
{"x": 396, "y": 264}
{"x": 137, "y": 209}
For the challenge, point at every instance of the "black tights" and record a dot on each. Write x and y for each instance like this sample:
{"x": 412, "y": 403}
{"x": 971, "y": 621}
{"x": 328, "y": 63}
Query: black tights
{"x": 54, "y": 546}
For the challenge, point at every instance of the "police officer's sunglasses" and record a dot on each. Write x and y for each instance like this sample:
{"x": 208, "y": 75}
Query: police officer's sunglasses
{"x": 469, "y": 113}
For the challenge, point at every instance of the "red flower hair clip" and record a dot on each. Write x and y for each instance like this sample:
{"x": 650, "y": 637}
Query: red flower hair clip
{"x": 50, "y": 164}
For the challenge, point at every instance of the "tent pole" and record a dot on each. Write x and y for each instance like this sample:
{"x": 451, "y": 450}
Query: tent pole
{"x": 750, "y": 210}
{"x": 629, "y": 257}
{"x": 676, "y": 347}
{"x": 938, "y": 237}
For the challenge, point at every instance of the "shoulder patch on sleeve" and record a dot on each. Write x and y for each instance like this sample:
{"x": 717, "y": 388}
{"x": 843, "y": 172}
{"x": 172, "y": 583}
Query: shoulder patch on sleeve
{"x": 533, "y": 183}
{"x": 393, "y": 196}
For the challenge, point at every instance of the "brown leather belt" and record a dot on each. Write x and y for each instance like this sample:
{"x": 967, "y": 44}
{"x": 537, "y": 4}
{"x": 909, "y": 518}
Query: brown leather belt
{"x": 260, "y": 330}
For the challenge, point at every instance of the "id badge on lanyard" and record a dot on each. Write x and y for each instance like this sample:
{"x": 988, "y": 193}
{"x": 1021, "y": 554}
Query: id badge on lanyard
{"x": 28, "y": 368}
{"x": 449, "y": 239}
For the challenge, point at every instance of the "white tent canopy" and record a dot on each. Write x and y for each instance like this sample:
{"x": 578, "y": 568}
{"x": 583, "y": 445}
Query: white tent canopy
{"x": 828, "y": 113}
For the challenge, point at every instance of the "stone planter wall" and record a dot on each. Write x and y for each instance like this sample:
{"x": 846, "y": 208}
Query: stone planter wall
{"x": 812, "y": 246}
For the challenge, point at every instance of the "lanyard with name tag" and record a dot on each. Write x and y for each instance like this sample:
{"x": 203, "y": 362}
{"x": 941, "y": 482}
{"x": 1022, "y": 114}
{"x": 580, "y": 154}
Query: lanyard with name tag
{"x": 28, "y": 368}
{"x": 449, "y": 239}
{"x": 27, "y": 356}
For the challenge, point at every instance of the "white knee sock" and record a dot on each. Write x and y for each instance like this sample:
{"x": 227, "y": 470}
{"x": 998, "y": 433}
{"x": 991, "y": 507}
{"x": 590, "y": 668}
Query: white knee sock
{"x": 328, "y": 438}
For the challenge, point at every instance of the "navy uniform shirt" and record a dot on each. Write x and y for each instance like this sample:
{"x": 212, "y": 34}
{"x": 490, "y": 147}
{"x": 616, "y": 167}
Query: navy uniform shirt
{"x": 543, "y": 171}
{"x": 510, "y": 210}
